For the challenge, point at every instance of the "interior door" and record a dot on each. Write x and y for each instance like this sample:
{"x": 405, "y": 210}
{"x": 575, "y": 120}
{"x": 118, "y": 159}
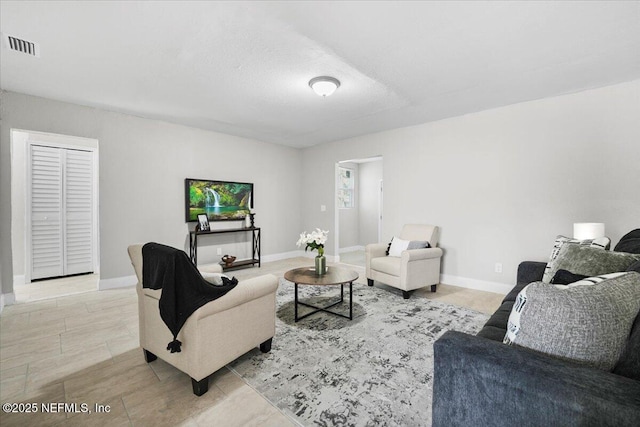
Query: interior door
{"x": 78, "y": 212}
{"x": 61, "y": 183}
{"x": 47, "y": 253}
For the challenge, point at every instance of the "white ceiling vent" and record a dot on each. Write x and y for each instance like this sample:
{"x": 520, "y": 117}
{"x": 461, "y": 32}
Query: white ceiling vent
{"x": 21, "y": 45}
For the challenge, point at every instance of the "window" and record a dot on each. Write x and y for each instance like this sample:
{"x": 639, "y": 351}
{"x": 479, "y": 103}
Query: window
{"x": 346, "y": 185}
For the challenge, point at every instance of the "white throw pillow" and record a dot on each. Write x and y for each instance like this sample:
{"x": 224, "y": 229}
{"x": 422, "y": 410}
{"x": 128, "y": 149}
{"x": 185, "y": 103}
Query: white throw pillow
{"x": 214, "y": 278}
{"x": 397, "y": 246}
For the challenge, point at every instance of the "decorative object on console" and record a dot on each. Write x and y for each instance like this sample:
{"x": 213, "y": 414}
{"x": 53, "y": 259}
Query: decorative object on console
{"x": 203, "y": 223}
{"x": 228, "y": 260}
{"x": 219, "y": 200}
{"x": 315, "y": 241}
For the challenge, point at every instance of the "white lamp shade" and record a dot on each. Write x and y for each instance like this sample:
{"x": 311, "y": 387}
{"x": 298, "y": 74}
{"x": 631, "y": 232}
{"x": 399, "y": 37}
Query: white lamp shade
{"x": 588, "y": 230}
{"x": 324, "y": 85}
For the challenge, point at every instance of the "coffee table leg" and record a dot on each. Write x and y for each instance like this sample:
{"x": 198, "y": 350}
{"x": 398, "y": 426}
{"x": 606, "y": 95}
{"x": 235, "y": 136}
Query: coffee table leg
{"x": 295, "y": 304}
{"x": 350, "y": 300}
{"x": 341, "y": 292}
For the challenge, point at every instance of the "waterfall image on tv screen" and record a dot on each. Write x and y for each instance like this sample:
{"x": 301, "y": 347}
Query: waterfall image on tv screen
{"x": 220, "y": 200}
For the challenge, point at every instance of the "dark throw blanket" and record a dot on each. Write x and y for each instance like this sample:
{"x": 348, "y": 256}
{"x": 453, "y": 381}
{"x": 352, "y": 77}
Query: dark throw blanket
{"x": 183, "y": 288}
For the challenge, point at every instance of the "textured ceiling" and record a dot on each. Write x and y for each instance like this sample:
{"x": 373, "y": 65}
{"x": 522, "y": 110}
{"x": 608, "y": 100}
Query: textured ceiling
{"x": 243, "y": 68}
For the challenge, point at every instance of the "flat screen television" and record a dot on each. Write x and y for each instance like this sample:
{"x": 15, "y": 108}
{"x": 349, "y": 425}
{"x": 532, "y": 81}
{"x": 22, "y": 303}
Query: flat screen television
{"x": 220, "y": 200}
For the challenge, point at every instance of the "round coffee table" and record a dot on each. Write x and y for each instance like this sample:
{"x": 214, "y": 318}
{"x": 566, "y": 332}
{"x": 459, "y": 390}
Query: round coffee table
{"x": 334, "y": 276}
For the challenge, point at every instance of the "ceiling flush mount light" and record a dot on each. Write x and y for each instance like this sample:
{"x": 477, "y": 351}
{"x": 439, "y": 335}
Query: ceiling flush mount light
{"x": 324, "y": 85}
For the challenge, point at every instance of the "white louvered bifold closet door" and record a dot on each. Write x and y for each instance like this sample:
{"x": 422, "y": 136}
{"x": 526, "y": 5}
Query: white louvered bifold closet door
{"x": 78, "y": 202}
{"x": 47, "y": 251}
{"x": 61, "y": 212}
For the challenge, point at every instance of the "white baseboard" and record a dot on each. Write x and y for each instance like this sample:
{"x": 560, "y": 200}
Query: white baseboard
{"x": 281, "y": 256}
{"x": 18, "y": 280}
{"x": 351, "y": 249}
{"x": 7, "y": 299}
{"x": 117, "y": 282}
{"x": 481, "y": 285}
{"x": 128, "y": 281}
{"x": 296, "y": 254}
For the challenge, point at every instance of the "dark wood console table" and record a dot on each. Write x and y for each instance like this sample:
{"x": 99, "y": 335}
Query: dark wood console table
{"x": 255, "y": 246}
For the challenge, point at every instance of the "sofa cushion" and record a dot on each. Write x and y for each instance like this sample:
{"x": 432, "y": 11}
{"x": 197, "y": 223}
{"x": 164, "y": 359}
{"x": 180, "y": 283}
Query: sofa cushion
{"x": 501, "y": 316}
{"x": 390, "y": 265}
{"x": 496, "y": 326}
{"x": 585, "y": 324}
{"x": 562, "y": 241}
{"x": 590, "y": 261}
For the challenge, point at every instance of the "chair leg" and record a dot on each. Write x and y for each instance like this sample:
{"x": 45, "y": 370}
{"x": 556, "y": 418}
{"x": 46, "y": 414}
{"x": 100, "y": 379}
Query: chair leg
{"x": 370, "y": 282}
{"x": 265, "y": 347}
{"x": 200, "y": 387}
{"x": 406, "y": 294}
{"x": 148, "y": 356}
{"x": 433, "y": 288}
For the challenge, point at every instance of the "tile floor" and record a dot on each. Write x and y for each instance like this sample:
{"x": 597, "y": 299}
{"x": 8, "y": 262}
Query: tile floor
{"x": 353, "y": 258}
{"x": 83, "y": 348}
{"x": 53, "y": 288}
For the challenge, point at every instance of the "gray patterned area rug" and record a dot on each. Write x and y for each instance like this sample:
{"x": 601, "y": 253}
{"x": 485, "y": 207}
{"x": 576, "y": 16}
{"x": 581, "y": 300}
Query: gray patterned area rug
{"x": 376, "y": 369}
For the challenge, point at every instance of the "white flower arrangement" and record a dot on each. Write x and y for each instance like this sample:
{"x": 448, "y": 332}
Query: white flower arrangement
{"x": 314, "y": 240}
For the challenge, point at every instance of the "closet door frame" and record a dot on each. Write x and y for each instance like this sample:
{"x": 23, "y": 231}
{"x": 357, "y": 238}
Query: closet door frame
{"x": 64, "y": 142}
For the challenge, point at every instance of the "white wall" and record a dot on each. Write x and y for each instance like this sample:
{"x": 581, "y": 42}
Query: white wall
{"x": 143, "y": 164}
{"x": 501, "y": 183}
{"x": 370, "y": 174}
{"x": 349, "y": 228}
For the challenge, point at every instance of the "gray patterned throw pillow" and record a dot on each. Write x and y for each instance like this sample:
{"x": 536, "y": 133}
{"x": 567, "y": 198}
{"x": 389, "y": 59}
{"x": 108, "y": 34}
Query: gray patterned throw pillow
{"x": 585, "y": 324}
{"x": 590, "y": 261}
{"x": 561, "y": 241}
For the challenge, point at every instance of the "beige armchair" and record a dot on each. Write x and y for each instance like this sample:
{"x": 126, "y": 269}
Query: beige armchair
{"x": 415, "y": 268}
{"x": 215, "y": 334}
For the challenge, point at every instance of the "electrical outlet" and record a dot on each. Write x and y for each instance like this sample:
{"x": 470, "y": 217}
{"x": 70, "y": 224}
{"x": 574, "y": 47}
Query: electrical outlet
{"x": 323, "y": 208}
{"x": 219, "y": 251}
{"x": 498, "y": 267}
